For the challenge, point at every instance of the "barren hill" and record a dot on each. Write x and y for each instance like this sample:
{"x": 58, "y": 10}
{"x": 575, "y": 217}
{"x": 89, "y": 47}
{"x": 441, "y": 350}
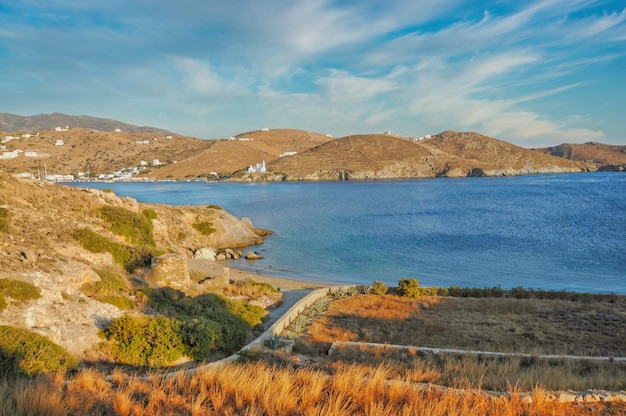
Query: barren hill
{"x": 227, "y": 156}
{"x": 450, "y": 154}
{"x": 473, "y": 154}
{"x": 368, "y": 156}
{"x": 17, "y": 123}
{"x": 604, "y": 156}
{"x": 39, "y": 245}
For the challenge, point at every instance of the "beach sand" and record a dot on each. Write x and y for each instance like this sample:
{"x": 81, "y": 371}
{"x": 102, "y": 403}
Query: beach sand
{"x": 210, "y": 268}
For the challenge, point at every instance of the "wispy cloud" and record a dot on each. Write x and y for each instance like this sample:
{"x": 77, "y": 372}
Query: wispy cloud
{"x": 216, "y": 68}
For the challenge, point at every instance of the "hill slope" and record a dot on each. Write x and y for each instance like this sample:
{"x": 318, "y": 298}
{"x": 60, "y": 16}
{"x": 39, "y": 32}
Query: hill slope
{"x": 228, "y": 156}
{"x": 450, "y": 154}
{"x": 604, "y": 156}
{"x": 38, "y": 245}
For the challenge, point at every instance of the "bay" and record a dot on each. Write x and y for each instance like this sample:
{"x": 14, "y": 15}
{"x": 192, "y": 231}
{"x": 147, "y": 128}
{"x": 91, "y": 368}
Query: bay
{"x": 553, "y": 232}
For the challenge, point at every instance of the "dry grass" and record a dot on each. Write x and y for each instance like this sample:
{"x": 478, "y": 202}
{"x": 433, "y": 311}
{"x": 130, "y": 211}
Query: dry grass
{"x": 263, "y": 389}
{"x": 512, "y": 325}
{"x": 507, "y": 325}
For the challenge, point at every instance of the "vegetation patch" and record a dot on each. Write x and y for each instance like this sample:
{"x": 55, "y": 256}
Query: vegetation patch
{"x": 136, "y": 228}
{"x": 150, "y": 214}
{"x": 111, "y": 288}
{"x": 130, "y": 257}
{"x": 197, "y": 327}
{"x": 146, "y": 341}
{"x": 4, "y": 220}
{"x": 24, "y": 352}
{"x": 19, "y": 290}
{"x": 204, "y": 227}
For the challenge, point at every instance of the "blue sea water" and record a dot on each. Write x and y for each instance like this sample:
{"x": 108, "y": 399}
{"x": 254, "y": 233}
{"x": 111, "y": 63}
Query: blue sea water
{"x": 555, "y": 232}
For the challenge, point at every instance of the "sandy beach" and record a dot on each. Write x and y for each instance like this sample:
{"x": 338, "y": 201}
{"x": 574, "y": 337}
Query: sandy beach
{"x": 216, "y": 268}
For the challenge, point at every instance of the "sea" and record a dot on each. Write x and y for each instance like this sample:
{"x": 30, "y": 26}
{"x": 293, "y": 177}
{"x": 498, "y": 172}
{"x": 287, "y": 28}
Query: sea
{"x": 550, "y": 232}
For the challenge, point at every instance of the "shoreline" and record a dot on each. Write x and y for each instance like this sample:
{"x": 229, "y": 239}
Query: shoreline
{"x": 212, "y": 268}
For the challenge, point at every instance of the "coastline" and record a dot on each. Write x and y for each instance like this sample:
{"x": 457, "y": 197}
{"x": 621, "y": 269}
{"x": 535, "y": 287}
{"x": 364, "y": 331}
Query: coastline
{"x": 216, "y": 268}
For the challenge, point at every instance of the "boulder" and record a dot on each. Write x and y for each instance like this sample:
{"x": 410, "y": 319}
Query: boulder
{"x": 253, "y": 256}
{"x": 205, "y": 253}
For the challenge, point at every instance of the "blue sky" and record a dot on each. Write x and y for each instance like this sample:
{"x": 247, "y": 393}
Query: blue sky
{"x": 533, "y": 73}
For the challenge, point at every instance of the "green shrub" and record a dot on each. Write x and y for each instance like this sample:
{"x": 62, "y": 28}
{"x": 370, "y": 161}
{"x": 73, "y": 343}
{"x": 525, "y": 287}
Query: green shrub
{"x": 3, "y": 303}
{"x": 150, "y": 214}
{"x": 146, "y": 341}
{"x": 203, "y": 227}
{"x": 201, "y": 337}
{"x": 4, "y": 220}
{"x": 109, "y": 284}
{"x": 121, "y": 302}
{"x": 19, "y": 289}
{"x": 379, "y": 288}
{"x": 130, "y": 257}
{"x": 215, "y": 207}
{"x": 136, "y": 228}
{"x": 25, "y": 352}
{"x": 209, "y": 314}
{"x": 409, "y": 288}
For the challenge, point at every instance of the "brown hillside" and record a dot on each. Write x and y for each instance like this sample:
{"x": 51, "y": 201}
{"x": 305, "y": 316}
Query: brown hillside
{"x": 368, "y": 156}
{"x": 449, "y": 154}
{"x": 228, "y": 156}
{"x": 94, "y": 151}
{"x": 473, "y": 154}
{"x": 605, "y": 156}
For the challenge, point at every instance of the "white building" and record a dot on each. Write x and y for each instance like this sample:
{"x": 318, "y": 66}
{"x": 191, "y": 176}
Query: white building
{"x": 118, "y": 130}
{"x": 59, "y": 142}
{"x": 287, "y": 154}
{"x": 31, "y": 154}
{"x": 11, "y": 155}
{"x": 258, "y": 168}
{"x": 156, "y": 162}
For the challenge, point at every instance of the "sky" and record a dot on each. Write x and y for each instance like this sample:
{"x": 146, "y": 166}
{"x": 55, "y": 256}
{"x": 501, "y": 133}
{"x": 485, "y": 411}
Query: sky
{"x": 534, "y": 73}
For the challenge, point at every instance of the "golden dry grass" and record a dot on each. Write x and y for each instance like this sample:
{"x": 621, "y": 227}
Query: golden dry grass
{"x": 513, "y": 325}
{"x": 263, "y": 389}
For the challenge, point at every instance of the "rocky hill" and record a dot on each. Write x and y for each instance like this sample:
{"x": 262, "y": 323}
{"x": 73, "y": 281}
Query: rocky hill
{"x": 376, "y": 156}
{"x": 17, "y": 123}
{"x": 603, "y": 156}
{"x": 61, "y": 238}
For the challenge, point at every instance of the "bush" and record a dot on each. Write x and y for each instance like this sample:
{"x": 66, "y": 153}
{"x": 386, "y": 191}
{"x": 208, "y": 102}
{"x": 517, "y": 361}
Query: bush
{"x": 146, "y": 341}
{"x": 136, "y": 228}
{"x": 209, "y": 314}
{"x": 379, "y": 288}
{"x": 25, "y": 352}
{"x": 19, "y": 289}
{"x": 109, "y": 284}
{"x": 204, "y": 227}
{"x": 409, "y": 288}
{"x": 150, "y": 214}
{"x": 130, "y": 257}
{"x": 3, "y": 303}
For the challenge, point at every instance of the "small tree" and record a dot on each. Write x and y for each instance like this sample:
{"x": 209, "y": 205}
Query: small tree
{"x": 379, "y": 288}
{"x": 409, "y": 288}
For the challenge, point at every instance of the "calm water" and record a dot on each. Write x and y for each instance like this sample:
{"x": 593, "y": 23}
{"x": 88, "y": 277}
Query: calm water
{"x": 558, "y": 232}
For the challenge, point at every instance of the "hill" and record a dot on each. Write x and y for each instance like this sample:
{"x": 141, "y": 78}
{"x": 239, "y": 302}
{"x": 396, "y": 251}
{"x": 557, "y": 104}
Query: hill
{"x": 17, "y": 123}
{"x": 62, "y": 238}
{"x": 227, "y": 156}
{"x": 604, "y": 156}
{"x": 377, "y": 156}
